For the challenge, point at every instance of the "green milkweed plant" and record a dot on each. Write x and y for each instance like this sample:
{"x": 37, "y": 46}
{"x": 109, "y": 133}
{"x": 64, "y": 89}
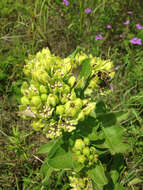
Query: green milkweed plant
{"x": 59, "y": 97}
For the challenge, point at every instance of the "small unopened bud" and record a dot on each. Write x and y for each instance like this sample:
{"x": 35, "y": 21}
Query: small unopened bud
{"x": 71, "y": 81}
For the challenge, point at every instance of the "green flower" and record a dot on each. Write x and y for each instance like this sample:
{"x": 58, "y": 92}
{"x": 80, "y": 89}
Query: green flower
{"x": 60, "y": 110}
{"x": 44, "y": 97}
{"x": 43, "y": 89}
{"x": 81, "y": 159}
{"x": 36, "y": 101}
{"x": 79, "y": 144}
{"x": 25, "y": 101}
{"x": 86, "y": 151}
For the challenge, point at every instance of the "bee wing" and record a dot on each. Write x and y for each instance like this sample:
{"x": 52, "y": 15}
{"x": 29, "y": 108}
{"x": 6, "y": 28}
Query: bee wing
{"x": 76, "y": 71}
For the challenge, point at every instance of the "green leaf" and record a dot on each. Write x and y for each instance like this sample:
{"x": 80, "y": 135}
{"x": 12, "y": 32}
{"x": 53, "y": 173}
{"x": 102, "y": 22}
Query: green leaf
{"x": 114, "y": 175}
{"x": 78, "y": 49}
{"x": 122, "y": 116}
{"x": 119, "y": 187}
{"x": 114, "y": 139}
{"x": 98, "y": 175}
{"x": 61, "y": 159}
{"x": 107, "y": 119}
{"x": 46, "y": 170}
{"x": 100, "y": 108}
{"x": 135, "y": 181}
{"x": 86, "y": 68}
{"x": 77, "y": 166}
{"x": 116, "y": 167}
{"x": 50, "y": 147}
{"x": 97, "y": 186}
{"x": 89, "y": 128}
{"x": 46, "y": 147}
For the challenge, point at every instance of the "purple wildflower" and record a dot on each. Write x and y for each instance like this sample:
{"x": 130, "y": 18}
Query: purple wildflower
{"x": 98, "y": 37}
{"x": 87, "y": 10}
{"x": 65, "y": 2}
{"x": 129, "y": 12}
{"x": 109, "y": 26}
{"x": 139, "y": 26}
{"x": 127, "y": 22}
{"x": 122, "y": 35}
{"x": 136, "y": 41}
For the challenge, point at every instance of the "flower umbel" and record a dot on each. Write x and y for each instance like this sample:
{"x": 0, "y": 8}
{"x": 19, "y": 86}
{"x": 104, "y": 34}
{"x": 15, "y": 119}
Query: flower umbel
{"x": 87, "y": 10}
{"x": 127, "y": 22}
{"x": 65, "y": 2}
{"x": 136, "y": 41}
{"x": 98, "y": 37}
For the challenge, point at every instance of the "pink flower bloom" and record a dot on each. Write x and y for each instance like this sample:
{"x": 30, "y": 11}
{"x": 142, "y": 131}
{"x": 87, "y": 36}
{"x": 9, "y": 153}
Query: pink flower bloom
{"x": 98, "y": 37}
{"x": 127, "y": 22}
{"x": 137, "y": 41}
{"x": 65, "y": 2}
{"x": 87, "y": 10}
{"x": 139, "y": 26}
{"x": 122, "y": 35}
{"x": 109, "y": 26}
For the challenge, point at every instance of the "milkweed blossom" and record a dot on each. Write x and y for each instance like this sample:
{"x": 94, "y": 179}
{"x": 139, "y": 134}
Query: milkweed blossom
{"x": 98, "y": 37}
{"x": 87, "y": 10}
{"x": 65, "y": 2}
{"x": 139, "y": 26}
{"x": 127, "y": 22}
{"x": 137, "y": 41}
{"x": 109, "y": 26}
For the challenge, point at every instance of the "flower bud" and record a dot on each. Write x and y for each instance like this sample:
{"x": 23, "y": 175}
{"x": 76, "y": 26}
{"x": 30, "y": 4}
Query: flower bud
{"x": 36, "y": 101}
{"x": 90, "y": 164}
{"x": 24, "y": 87}
{"x": 89, "y": 108}
{"x": 78, "y": 103}
{"x": 81, "y": 116}
{"x": 67, "y": 106}
{"x": 92, "y": 149}
{"x": 25, "y": 101}
{"x": 52, "y": 100}
{"x": 81, "y": 159}
{"x": 37, "y": 125}
{"x": 71, "y": 81}
{"x": 95, "y": 158}
{"x": 78, "y": 153}
{"x": 91, "y": 157}
{"x": 60, "y": 110}
{"x": 86, "y": 151}
{"x": 86, "y": 141}
{"x": 66, "y": 89}
{"x": 71, "y": 112}
{"x": 80, "y": 83}
{"x": 43, "y": 89}
{"x": 63, "y": 100}
{"x": 44, "y": 97}
{"x": 88, "y": 92}
{"x": 79, "y": 144}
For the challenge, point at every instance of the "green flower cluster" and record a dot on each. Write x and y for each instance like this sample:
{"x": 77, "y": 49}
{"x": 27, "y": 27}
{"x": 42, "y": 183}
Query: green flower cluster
{"x": 79, "y": 183}
{"x": 85, "y": 154}
{"x": 50, "y": 95}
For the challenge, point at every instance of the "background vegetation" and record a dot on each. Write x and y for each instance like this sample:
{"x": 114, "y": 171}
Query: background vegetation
{"x": 28, "y": 26}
